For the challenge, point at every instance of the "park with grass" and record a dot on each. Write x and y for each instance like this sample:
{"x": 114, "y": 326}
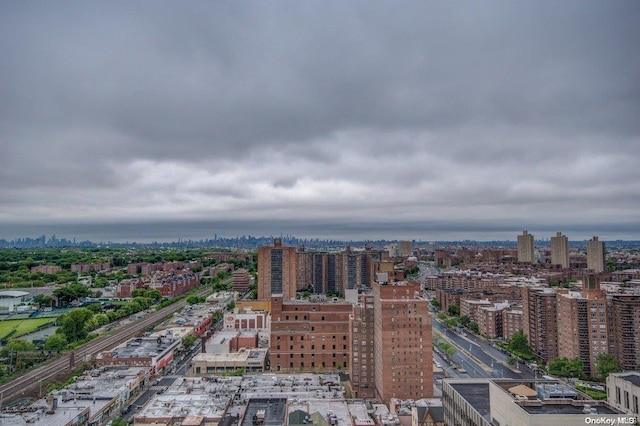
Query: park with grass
{"x": 19, "y": 327}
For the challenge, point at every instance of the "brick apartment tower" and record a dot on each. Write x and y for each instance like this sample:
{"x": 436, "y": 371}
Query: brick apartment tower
{"x": 540, "y": 323}
{"x": 277, "y": 271}
{"x": 595, "y": 255}
{"x": 526, "y": 251}
{"x": 402, "y": 342}
{"x": 560, "y": 250}
{"x": 582, "y": 324}
{"x": 624, "y": 310}
{"x": 333, "y": 273}
{"x": 362, "y": 366}
{"x": 309, "y": 337}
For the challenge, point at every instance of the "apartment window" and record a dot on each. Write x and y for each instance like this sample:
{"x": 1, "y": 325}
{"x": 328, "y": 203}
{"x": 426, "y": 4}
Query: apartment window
{"x": 626, "y": 400}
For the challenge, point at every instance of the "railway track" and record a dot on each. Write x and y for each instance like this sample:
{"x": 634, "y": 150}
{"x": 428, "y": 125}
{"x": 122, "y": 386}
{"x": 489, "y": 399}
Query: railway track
{"x": 33, "y": 380}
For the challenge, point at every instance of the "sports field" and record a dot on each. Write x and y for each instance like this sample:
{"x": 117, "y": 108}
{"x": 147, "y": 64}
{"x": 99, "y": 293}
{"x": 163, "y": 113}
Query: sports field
{"x": 23, "y": 326}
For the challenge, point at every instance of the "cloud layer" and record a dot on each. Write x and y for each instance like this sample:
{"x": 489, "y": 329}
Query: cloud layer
{"x": 318, "y": 114}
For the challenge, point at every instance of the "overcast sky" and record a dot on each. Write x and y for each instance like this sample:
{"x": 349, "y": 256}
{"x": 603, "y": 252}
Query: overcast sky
{"x": 342, "y": 119}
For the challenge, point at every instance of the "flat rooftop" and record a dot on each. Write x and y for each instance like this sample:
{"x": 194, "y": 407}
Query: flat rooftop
{"x": 476, "y": 394}
{"x": 273, "y": 409}
{"x": 144, "y": 347}
{"x": 549, "y": 407}
{"x": 633, "y": 378}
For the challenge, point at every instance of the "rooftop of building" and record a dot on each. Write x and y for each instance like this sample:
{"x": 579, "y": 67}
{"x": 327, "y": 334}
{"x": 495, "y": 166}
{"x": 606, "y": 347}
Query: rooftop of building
{"x": 89, "y": 393}
{"x": 319, "y": 395}
{"x": 632, "y": 377}
{"x": 476, "y": 394}
{"x": 192, "y": 397}
{"x": 269, "y": 411}
{"x": 144, "y": 347}
{"x": 477, "y": 301}
{"x": 191, "y": 315}
{"x": 254, "y": 355}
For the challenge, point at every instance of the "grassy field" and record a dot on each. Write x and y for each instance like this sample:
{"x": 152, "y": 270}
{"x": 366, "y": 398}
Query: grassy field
{"x": 22, "y": 327}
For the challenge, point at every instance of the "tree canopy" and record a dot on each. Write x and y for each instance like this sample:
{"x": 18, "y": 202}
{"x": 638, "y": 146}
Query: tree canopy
{"x": 605, "y": 364}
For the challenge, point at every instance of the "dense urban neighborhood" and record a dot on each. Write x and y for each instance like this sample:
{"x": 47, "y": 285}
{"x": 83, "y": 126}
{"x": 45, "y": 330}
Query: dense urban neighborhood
{"x": 396, "y": 333}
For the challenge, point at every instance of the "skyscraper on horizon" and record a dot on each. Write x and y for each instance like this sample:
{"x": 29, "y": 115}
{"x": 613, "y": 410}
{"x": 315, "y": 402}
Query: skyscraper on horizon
{"x": 526, "y": 251}
{"x": 560, "y": 250}
{"x": 595, "y": 255}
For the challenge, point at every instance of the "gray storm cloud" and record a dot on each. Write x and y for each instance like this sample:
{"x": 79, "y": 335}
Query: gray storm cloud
{"x": 351, "y": 113}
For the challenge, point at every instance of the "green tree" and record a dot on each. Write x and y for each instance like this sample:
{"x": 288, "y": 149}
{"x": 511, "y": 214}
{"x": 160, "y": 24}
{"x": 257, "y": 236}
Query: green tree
{"x": 71, "y": 292}
{"x": 605, "y": 364}
{"x": 119, "y": 422}
{"x": 564, "y": 367}
{"x": 519, "y": 344}
{"x": 43, "y": 300}
{"x": 454, "y": 310}
{"x": 55, "y": 342}
{"x": 189, "y": 340}
{"x": 74, "y": 324}
{"x": 441, "y": 316}
{"x": 17, "y": 345}
{"x": 435, "y": 303}
{"x": 473, "y": 326}
{"x": 464, "y": 320}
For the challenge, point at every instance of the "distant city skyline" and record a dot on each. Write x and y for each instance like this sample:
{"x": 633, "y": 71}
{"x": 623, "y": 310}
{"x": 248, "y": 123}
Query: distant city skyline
{"x": 173, "y": 232}
{"x": 434, "y": 120}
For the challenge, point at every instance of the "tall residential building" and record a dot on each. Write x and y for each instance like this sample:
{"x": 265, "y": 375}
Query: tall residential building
{"x": 526, "y": 251}
{"x": 560, "y": 250}
{"x": 595, "y": 255}
{"x": 539, "y": 321}
{"x": 362, "y": 365}
{"x": 402, "y": 342}
{"x": 406, "y": 248}
{"x": 582, "y": 324}
{"x": 277, "y": 271}
{"x": 309, "y": 337}
{"x": 334, "y": 273}
{"x": 625, "y": 330}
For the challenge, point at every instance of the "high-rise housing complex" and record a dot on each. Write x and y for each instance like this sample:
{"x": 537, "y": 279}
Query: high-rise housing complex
{"x": 583, "y": 324}
{"x": 334, "y": 273}
{"x": 539, "y": 321}
{"x": 309, "y": 336}
{"x": 401, "y": 342}
{"x": 624, "y": 317}
{"x": 560, "y": 250}
{"x": 362, "y": 338}
{"x": 406, "y": 248}
{"x": 277, "y": 271}
{"x": 526, "y": 251}
{"x": 595, "y": 255}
